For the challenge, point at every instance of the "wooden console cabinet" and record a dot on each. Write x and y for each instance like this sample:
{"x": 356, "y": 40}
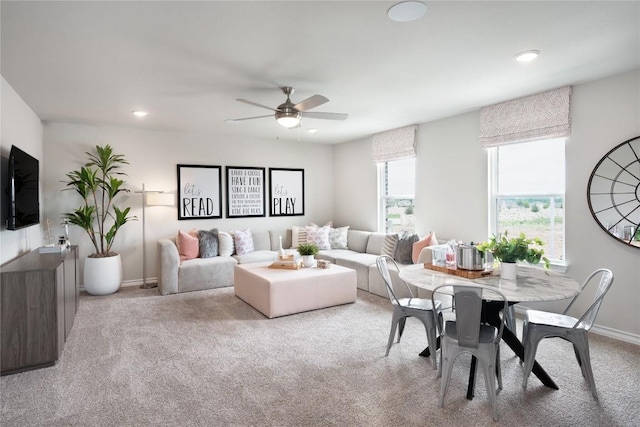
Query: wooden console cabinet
{"x": 38, "y": 302}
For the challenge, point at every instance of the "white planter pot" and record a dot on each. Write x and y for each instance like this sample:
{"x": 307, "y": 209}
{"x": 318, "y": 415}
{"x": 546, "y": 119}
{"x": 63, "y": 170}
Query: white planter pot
{"x": 308, "y": 261}
{"x": 102, "y": 276}
{"x": 508, "y": 270}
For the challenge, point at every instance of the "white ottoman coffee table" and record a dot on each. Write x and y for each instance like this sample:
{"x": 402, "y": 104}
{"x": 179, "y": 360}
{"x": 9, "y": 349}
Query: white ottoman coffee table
{"x": 278, "y": 292}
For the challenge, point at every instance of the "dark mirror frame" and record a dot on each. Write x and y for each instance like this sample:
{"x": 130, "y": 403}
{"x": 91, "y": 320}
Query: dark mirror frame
{"x": 613, "y": 192}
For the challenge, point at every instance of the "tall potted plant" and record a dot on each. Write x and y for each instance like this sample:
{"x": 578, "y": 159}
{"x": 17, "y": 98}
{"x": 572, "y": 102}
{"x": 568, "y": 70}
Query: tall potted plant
{"x": 98, "y": 184}
{"x": 510, "y": 250}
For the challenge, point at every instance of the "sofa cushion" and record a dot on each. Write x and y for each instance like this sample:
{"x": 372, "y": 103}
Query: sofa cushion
{"x": 319, "y": 237}
{"x": 205, "y": 273}
{"x": 405, "y": 248}
{"x": 428, "y": 240}
{"x": 375, "y": 242}
{"x": 275, "y": 235}
{"x": 208, "y": 243}
{"x": 256, "y": 256}
{"x": 243, "y": 241}
{"x": 225, "y": 244}
{"x": 357, "y": 240}
{"x": 188, "y": 245}
{"x": 261, "y": 241}
{"x": 338, "y": 237}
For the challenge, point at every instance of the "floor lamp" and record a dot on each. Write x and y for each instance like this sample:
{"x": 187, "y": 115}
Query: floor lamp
{"x": 151, "y": 198}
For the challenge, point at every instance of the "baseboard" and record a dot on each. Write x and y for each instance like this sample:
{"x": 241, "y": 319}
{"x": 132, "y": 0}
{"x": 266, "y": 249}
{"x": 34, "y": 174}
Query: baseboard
{"x": 136, "y": 282}
{"x": 603, "y": 330}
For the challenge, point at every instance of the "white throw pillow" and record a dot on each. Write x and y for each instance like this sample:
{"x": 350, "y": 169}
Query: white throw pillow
{"x": 225, "y": 244}
{"x": 319, "y": 236}
{"x": 298, "y": 236}
{"x": 338, "y": 237}
{"x": 243, "y": 241}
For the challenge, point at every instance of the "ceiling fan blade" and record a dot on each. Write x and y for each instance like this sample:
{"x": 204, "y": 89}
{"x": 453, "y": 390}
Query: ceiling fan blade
{"x": 247, "y": 118}
{"x": 311, "y": 102}
{"x": 326, "y": 116}
{"x": 255, "y": 104}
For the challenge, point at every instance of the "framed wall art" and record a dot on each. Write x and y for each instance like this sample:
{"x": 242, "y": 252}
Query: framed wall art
{"x": 286, "y": 192}
{"x": 199, "y": 192}
{"x": 245, "y": 192}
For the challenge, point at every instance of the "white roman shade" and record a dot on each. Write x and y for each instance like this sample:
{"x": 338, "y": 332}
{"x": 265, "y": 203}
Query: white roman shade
{"x": 394, "y": 144}
{"x": 541, "y": 116}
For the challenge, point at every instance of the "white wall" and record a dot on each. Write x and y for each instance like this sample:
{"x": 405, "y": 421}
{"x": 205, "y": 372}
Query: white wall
{"x": 153, "y": 156}
{"x": 451, "y": 189}
{"x": 19, "y": 126}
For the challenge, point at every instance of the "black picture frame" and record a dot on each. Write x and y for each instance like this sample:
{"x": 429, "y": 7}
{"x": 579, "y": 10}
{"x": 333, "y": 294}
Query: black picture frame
{"x": 199, "y": 192}
{"x": 246, "y": 192}
{"x": 286, "y": 192}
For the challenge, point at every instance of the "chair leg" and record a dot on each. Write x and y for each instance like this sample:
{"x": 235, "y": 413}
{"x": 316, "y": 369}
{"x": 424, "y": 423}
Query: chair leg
{"x": 490, "y": 384}
{"x": 430, "y": 329}
{"x": 401, "y": 323}
{"x": 446, "y": 367}
{"x": 498, "y": 368}
{"x": 392, "y": 333}
{"x": 530, "y": 348}
{"x": 581, "y": 345}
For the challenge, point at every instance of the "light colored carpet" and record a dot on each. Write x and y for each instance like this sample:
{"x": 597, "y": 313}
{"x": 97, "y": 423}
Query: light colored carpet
{"x": 206, "y": 358}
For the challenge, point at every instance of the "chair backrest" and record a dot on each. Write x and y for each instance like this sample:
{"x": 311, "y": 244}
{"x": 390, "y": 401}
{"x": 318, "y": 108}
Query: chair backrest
{"x": 589, "y": 316}
{"x": 383, "y": 269}
{"x": 468, "y": 302}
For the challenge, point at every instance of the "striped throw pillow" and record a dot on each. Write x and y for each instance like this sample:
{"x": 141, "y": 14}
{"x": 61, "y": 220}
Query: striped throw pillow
{"x": 389, "y": 245}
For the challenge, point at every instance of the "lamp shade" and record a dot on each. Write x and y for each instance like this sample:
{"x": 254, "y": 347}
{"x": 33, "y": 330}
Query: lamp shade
{"x": 160, "y": 199}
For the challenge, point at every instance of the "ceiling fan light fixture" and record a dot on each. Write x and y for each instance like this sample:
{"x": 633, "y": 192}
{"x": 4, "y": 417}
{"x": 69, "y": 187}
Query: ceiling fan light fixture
{"x": 288, "y": 119}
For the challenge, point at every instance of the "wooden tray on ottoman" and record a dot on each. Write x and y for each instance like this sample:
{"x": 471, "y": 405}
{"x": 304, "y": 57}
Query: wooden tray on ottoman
{"x": 467, "y": 274}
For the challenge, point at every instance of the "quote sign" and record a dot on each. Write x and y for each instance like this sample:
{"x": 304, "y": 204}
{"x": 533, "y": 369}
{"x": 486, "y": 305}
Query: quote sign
{"x": 199, "y": 192}
{"x": 245, "y": 192}
{"x": 286, "y": 192}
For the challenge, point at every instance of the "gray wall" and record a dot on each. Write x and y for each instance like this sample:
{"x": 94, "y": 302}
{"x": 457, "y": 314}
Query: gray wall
{"x": 19, "y": 126}
{"x": 452, "y": 194}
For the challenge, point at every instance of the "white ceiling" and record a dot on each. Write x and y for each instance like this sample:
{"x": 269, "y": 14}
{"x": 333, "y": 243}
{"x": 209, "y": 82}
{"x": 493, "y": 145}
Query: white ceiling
{"x": 187, "y": 62}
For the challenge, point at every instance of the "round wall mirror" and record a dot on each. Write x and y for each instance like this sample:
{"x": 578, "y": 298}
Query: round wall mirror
{"x": 613, "y": 192}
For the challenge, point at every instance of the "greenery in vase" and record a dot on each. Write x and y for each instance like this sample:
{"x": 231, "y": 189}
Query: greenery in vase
{"x": 513, "y": 249}
{"x": 305, "y": 249}
{"x": 98, "y": 185}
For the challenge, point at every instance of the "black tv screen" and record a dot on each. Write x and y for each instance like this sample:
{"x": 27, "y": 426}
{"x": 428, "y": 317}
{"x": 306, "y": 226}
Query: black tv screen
{"x": 24, "y": 205}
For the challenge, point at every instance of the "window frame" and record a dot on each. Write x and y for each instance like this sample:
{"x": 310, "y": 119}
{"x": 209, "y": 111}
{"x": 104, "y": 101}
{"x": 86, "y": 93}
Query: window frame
{"x": 557, "y": 264}
{"x": 383, "y": 198}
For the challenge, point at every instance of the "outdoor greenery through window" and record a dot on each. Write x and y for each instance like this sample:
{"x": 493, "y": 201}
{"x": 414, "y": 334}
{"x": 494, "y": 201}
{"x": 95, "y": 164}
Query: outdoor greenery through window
{"x": 397, "y": 193}
{"x": 528, "y": 184}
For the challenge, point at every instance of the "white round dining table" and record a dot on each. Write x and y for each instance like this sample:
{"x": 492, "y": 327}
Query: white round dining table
{"x": 531, "y": 284}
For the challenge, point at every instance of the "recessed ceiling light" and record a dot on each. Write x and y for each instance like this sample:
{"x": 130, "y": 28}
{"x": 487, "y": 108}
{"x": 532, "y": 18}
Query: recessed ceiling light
{"x": 312, "y": 130}
{"x": 527, "y": 55}
{"x": 406, "y": 11}
{"x": 139, "y": 113}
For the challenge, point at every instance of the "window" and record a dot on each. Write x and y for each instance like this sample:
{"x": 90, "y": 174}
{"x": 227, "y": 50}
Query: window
{"x": 397, "y": 180}
{"x": 527, "y": 182}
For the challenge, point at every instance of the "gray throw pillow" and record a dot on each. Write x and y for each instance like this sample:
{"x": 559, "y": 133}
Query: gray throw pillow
{"x": 208, "y": 243}
{"x": 405, "y": 248}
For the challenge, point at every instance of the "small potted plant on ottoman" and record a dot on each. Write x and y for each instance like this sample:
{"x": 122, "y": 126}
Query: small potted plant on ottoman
{"x": 307, "y": 251}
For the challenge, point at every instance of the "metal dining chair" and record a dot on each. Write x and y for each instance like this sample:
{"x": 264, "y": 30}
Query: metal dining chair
{"x": 541, "y": 324}
{"x": 420, "y": 308}
{"x": 466, "y": 334}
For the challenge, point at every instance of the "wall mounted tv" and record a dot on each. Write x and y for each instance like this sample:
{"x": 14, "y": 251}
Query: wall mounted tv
{"x": 24, "y": 177}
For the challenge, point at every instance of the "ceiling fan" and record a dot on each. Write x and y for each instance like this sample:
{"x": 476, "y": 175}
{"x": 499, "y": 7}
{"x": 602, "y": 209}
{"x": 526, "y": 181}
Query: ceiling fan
{"x": 289, "y": 114}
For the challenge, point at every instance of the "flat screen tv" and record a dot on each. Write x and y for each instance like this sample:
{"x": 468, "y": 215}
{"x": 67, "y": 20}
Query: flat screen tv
{"x": 24, "y": 205}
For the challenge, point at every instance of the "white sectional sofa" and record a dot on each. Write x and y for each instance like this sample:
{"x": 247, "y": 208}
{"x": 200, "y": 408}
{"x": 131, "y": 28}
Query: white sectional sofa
{"x": 207, "y": 273}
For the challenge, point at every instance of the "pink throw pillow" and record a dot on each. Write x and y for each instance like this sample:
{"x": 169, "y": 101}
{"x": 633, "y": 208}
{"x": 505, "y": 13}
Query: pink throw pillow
{"x": 188, "y": 245}
{"x": 428, "y": 240}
